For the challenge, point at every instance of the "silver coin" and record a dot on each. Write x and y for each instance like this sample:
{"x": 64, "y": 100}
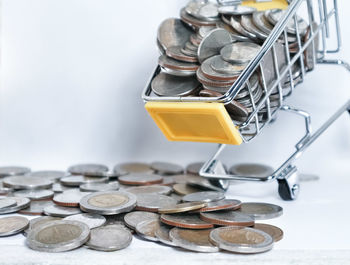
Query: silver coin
{"x": 240, "y": 52}
{"x": 49, "y": 174}
{"x": 108, "y": 202}
{"x": 168, "y": 85}
{"x": 235, "y": 10}
{"x": 193, "y": 7}
{"x": 208, "y": 12}
{"x": 150, "y": 189}
{"x": 92, "y": 220}
{"x": 176, "y": 72}
{"x": 176, "y": 53}
{"x": 60, "y": 211}
{"x": 223, "y": 205}
{"x": 241, "y": 239}
{"x": 190, "y": 46}
{"x": 132, "y": 219}
{"x": 236, "y": 24}
{"x": 167, "y": 62}
{"x": 247, "y": 24}
{"x": 269, "y": 72}
{"x": 88, "y": 169}
{"x": 194, "y": 168}
{"x": 27, "y": 182}
{"x": 261, "y": 211}
{"x": 212, "y": 43}
{"x": 147, "y": 229}
{"x": 252, "y": 169}
{"x": 58, "y": 236}
{"x": 185, "y": 220}
{"x": 262, "y": 23}
{"x": 209, "y": 72}
{"x": 33, "y": 223}
{"x": 21, "y": 203}
{"x": 152, "y": 202}
{"x": 173, "y": 32}
{"x": 69, "y": 198}
{"x": 276, "y": 15}
{"x": 13, "y": 171}
{"x": 195, "y": 240}
{"x": 140, "y": 179}
{"x": 203, "y": 31}
{"x": 227, "y": 218}
{"x": 133, "y": 167}
{"x": 58, "y": 188}
{"x": 4, "y": 190}
{"x": 234, "y": 33}
{"x": 12, "y": 225}
{"x": 226, "y": 68}
{"x": 164, "y": 168}
{"x": 7, "y": 202}
{"x": 34, "y": 194}
{"x": 215, "y": 85}
{"x": 204, "y": 196}
{"x": 93, "y": 187}
{"x": 77, "y": 180}
{"x": 109, "y": 238}
{"x": 162, "y": 234}
{"x": 188, "y": 52}
{"x": 36, "y": 208}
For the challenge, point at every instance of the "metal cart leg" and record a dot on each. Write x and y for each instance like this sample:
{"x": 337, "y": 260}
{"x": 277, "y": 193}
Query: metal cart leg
{"x": 286, "y": 174}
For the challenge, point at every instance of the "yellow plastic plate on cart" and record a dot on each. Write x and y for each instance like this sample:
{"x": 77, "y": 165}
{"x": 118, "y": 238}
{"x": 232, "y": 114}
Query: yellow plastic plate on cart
{"x": 194, "y": 122}
{"x": 262, "y": 6}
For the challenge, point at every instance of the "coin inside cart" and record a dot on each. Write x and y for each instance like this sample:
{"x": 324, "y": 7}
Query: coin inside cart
{"x": 108, "y": 202}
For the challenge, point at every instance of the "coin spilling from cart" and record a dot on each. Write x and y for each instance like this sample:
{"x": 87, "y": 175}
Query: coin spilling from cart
{"x": 161, "y": 202}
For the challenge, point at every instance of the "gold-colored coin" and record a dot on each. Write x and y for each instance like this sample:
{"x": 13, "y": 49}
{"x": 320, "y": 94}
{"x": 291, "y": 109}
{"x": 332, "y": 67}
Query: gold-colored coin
{"x": 183, "y": 207}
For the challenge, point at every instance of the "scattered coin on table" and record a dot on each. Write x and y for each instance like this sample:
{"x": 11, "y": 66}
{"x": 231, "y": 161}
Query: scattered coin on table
{"x": 179, "y": 212}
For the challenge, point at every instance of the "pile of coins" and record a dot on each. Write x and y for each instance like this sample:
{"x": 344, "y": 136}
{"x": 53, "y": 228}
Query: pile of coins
{"x": 204, "y": 52}
{"x": 162, "y": 202}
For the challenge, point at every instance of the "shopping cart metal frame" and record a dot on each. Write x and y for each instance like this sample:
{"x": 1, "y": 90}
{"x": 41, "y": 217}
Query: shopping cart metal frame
{"x": 286, "y": 174}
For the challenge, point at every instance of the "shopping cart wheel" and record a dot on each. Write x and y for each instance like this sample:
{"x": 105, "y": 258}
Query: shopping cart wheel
{"x": 288, "y": 184}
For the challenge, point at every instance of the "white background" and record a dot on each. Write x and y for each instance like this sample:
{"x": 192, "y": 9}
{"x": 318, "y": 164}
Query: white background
{"x": 72, "y": 76}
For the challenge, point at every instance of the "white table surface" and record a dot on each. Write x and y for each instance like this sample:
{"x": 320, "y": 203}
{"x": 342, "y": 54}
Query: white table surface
{"x": 315, "y": 226}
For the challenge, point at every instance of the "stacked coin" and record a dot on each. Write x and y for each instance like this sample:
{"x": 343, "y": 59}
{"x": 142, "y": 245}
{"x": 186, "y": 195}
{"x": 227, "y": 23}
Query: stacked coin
{"x": 205, "y": 51}
{"x": 161, "y": 202}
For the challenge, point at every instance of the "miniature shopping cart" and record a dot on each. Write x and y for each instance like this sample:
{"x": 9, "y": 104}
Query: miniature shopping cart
{"x": 205, "y": 119}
